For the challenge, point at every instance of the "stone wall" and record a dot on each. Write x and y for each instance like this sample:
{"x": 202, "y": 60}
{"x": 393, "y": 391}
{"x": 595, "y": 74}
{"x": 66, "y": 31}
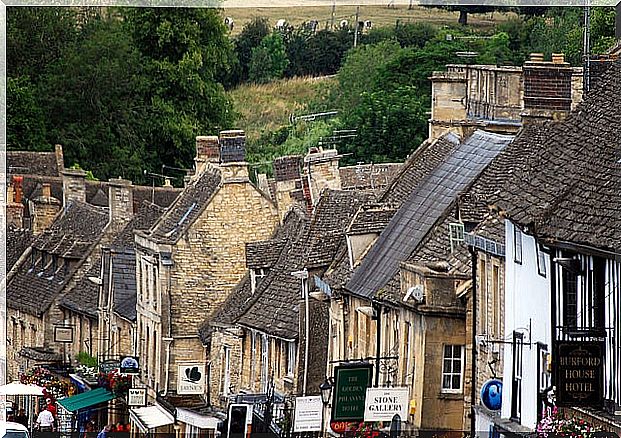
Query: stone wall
{"x": 23, "y": 329}
{"x": 233, "y": 340}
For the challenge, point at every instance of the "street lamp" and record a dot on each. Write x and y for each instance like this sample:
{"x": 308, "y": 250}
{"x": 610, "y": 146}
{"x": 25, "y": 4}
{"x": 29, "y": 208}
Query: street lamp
{"x": 326, "y": 391}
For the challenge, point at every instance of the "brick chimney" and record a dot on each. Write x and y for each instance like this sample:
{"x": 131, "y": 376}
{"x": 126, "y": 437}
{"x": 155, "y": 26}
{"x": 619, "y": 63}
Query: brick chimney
{"x": 14, "y": 205}
{"x": 288, "y": 181}
{"x": 233, "y": 156}
{"x": 120, "y": 200}
{"x": 44, "y": 209}
{"x": 74, "y": 186}
{"x": 547, "y": 88}
{"x": 322, "y": 171}
{"x": 207, "y": 151}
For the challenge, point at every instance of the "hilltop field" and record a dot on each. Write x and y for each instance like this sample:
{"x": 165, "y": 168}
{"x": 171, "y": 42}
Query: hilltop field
{"x": 378, "y": 15}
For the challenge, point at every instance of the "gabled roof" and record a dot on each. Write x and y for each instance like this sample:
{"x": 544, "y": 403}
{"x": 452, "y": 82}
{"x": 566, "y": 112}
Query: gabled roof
{"x": 569, "y": 188}
{"x": 427, "y": 203}
{"x": 17, "y": 242}
{"x": 32, "y": 163}
{"x": 418, "y": 166}
{"x": 274, "y": 309}
{"x": 71, "y": 236}
{"x": 188, "y": 206}
{"x": 371, "y": 218}
{"x": 368, "y": 176}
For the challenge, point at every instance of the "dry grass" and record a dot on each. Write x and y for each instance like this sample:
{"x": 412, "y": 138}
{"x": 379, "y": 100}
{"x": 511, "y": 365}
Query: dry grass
{"x": 379, "y": 15}
{"x": 267, "y": 107}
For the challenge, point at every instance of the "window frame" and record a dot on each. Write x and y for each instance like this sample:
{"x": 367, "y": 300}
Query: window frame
{"x": 452, "y": 374}
{"x": 517, "y": 237}
{"x": 291, "y": 358}
{"x": 542, "y": 268}
{"x": 517, "y": 372}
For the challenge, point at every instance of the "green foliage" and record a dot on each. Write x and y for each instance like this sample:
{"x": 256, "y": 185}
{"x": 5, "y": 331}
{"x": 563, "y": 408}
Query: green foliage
{"x": 407, "y": 35}
{"x": 390, "y": 124}
{"x": 25, "y": 119}
{"x": 269, "y": 59}
{"x": 36, "y": 37}
{"x": 86, "y": 359}
{"x": 250, "y": 38}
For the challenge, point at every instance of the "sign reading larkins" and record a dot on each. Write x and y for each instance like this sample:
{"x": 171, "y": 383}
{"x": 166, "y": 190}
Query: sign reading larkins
{"x": 191, "y": 379}
{"x": 351, "y": 383}
{"x": 579, "y": 373}
{"x": 382, "y": 404}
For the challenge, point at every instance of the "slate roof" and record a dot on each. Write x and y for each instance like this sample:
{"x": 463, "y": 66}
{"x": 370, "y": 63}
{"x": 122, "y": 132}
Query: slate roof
{"x": 332, "y": 215}
{"x": 263, "y": 254}
{"x": 71, "y": 236}
{"x": 274, "y": 309}
{"x": 188, "y": 206}
{"x": 427, "y": 203}
{"x": 418, "y": 166}
{"x": 18, "y": 240}
{"x": 83, "y": 298}
{"x": 32, "y": 163}
{"x": 368, "y": 176}
{"x": 371, "y": 219}
{"x": 569, "y": 188}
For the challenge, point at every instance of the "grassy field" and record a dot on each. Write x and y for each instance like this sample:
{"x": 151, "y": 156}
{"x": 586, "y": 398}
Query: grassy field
{"x": 267, "y": 107}
{"x": 379, "y": 15}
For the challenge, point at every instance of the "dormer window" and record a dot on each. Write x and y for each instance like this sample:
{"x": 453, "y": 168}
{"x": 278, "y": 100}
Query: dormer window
{"x": 256, "y": 276}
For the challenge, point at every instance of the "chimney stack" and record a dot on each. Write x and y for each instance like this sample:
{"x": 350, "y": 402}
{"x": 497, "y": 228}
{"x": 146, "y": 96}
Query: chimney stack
{"x": 60, "y": 158}
{"x": 207, "y": 151}
{"x": 14, "y": 206}
{"x": 74, "y": 186}
{"x": 121, "y": 200}
{"x": 288, "y": 182}
{"x": 233, "y": 156}
{"x": 547, "y": 88}
{"x": 44, "y": 209}
{"x": 322, "y": 171}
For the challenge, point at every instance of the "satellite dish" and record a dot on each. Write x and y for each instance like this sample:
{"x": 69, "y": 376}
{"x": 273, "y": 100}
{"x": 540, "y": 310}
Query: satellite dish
{"x": 491, "y": 394}
{"x": 415, "y": 292}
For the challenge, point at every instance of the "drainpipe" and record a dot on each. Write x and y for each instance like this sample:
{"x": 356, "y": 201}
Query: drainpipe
{"x": 169, "y": 341}
{"x": 307, "y": 328}
{"x": 473, "y": 386}
{"x": 378, "y": 340}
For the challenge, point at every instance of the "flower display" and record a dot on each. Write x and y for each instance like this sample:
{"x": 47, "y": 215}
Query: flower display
{"x": 559, "y": 425}
{"x": 115, "y": 382}
{"x": 54, "y": 387}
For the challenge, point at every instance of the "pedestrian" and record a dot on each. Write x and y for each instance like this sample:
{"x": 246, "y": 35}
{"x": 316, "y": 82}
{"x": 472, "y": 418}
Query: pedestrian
{"x": 45, "y": 422}
{"x": 22, "y": 418}
{"x": 105, "y": 431}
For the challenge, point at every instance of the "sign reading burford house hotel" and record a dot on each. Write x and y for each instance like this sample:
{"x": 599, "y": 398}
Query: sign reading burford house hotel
{"x": 579, "y": 373}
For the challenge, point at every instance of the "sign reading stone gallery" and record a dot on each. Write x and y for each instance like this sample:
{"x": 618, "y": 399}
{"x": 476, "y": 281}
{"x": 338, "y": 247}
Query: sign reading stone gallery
{"x": 579, "y": 373}
{"x": 350, "y": 390}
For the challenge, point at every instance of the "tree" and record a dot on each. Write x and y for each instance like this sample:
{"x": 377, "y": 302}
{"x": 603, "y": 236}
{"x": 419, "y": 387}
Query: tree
{"x": 269, "y": 60}
{"x": 25, "y": 119}
{"x": 183, "y": 53}
{"x": 250, "y": 38}
{"x": 326, "y": 50}
{"x": 36, "y": 37}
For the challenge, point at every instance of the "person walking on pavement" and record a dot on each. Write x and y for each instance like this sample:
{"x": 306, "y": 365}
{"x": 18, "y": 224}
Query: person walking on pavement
{"x": 45, "y": 423}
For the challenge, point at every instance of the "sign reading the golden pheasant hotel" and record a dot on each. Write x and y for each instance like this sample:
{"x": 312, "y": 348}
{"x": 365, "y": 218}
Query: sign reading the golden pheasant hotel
{"x": 579, "y": 373}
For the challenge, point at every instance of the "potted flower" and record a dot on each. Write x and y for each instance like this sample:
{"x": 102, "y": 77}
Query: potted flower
{"x": 559, "y": 425}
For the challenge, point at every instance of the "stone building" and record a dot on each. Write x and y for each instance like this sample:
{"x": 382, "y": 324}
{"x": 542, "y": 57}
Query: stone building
{"x": 470, "y": 97}
{"x": 405, "y": 278}
{"x": 190, "y": 261}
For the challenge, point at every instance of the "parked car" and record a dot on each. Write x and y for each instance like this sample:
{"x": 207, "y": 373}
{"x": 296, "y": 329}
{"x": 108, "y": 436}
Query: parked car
{"x": 9, "y": 429}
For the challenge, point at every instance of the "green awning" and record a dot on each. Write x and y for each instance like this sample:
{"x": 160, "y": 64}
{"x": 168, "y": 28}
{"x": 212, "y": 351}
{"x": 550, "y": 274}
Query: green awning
{"x": 86, "y": 399}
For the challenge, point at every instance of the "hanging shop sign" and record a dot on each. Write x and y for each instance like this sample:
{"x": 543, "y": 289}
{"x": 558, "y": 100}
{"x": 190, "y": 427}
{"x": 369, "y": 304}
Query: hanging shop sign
{"x": 491, "y": 394}
{"x": 382, "y": 404}
{"x": 350, "y": 388}
{"x": 191, "y": 379}
{"x": 579, "y": 373}
{"x": 137, "y": 397}
{"x": 129, "y": 365}
{"x": 63, "y": 334}
{"x": 109, "y": 366}
{"x": 308, "y": 414}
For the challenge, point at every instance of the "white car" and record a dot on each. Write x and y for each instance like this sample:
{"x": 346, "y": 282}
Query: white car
{"x": 13, "y": 430}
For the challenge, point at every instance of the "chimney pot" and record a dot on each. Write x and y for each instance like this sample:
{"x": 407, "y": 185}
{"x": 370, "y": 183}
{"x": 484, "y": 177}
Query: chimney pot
{"x": 46, "y": 190}
{"x": 536, "y": 57}
{"x": 17, "y": 184}
{"x": 167, "y": 182}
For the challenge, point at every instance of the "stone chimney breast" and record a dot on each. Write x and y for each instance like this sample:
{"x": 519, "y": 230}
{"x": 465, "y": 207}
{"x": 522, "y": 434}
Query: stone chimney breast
{"x": 121, "y": 200}
{"x": 45, "y": 208}
{"x": 74, "y": 186}
{"x": 287, "y": 168}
